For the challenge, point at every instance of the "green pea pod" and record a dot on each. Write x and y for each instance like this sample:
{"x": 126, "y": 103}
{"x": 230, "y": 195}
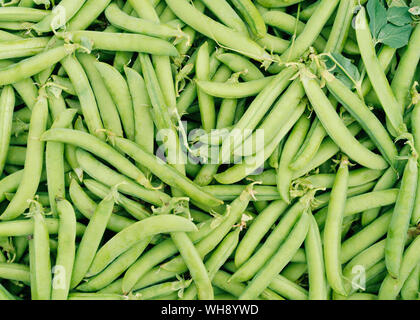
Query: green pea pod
{"x": 336, "y": 128}
{"x": 400, "y": 221}
{"x": 217, "y": 259}
{"x": 332, "y": 229}
{"x": 33, "y": 162}
{"x": 404, "y": 74}
{"x": 291, "y": 146}
{"x": 391, "y": 287}
{"x": 238, "y": 63}
{"x": 252, "y": 17}
{"x": 159, "y": 253}
{"x": 279, "y": 260}
{"x": 42, "y": 263}
{"x": 169, "y": 175}
{"x": 115, "y": 269}
{"x": 58, "y": 17}
{"x": 118, "y": 88}
{"x": 214, "y": 30}
{"x": 206, "y": 245}
{"x": 226, "y": 14}
{"x": 87, "y": 14}
{"x": 107, "y": 108}
{"x": 99, "y": 148}
{"x": 91, "y": 240}
{"x": 87, "y": 207}
{"x": 205, "y": 100}
{"x": 66, "y": 251}
{"x": 256, "y": 231}
{"x": 278, "y": 3}
{"x": 376, "y": 75}
{"x": 134, "y": 233}
{"x": 315, "y": 261}
{"x": 7, "y": 104}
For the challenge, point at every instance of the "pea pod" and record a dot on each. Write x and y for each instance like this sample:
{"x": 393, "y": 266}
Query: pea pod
{"x": 401, "y": 217}
{"x": 134, "y": 233}
{"x": 33, "y": 163}
{"x": 337, "y": 130}
{"x": 252, "y": 16}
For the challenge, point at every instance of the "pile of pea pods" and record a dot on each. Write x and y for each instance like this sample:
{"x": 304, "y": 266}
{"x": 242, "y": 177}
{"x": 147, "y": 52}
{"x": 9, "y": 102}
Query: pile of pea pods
{"x": 209, "y": 149}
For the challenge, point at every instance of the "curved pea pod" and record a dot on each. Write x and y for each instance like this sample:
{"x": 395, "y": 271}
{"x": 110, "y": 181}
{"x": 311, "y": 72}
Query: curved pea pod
{"x": 291, "y": 147}
{"x": 123, "y": 21}
{"x": 217, "y": 259}
{"x": 168, "y": 175}
{"x": 15, "y": 271}
{"x": 136, "y": 232}
{"x": 410, "y": 290}
{"x": 368, "y": 121}
{"x": 310, "y": 33}
{"x": 406, "y": 69}
{"x": 336, "y": 129}
{"x": 237, "y": 63}
{"x": 205, "y": 101}
{"x": 255, "y": 112}
{"x": 116, "y": 268}
{"x": 342, "y": 21}
{"x": 393, "y": 109}
{"x": 279, "y": 260}
{"x": 59, "y": 15}
{"x": 99, "y": 148}
{"x": 391, "y": 287}
{"x": 33, "y": 65}
{"x": 226, "y": 14}
{"x": 257, "y": 230}
{"x": 118, "y": 88}
{"x": 107, "y": 108}
{"x": 91, "y": 239}
{"x": 87, "y": 14}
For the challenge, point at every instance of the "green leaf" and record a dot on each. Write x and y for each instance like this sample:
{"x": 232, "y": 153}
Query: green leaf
{"x": 344, "y": 79}
{"x": 395, "y": 36}
{"x": 399, "y": 16}
{"x": 415, "y": 3}
{"x": 377, "y": 16}
{"x": 343, "y": 69}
